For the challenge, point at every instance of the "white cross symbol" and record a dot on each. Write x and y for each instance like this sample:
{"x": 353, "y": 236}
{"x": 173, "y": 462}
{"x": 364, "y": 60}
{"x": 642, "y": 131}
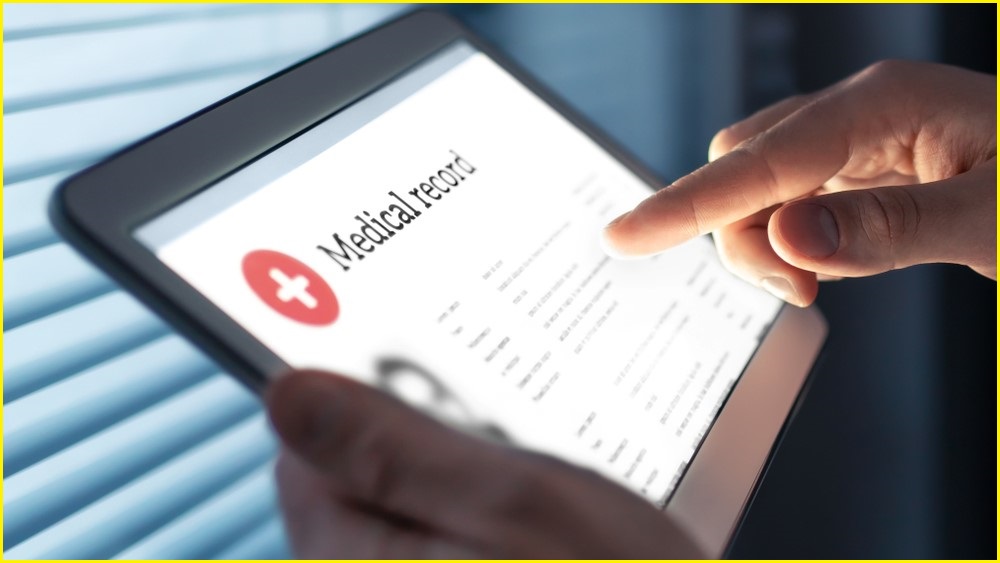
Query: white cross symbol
{"x": 292, "y": 288}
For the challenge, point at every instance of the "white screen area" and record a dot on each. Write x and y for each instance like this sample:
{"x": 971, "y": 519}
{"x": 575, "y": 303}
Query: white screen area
{"x": 461, "y": 234}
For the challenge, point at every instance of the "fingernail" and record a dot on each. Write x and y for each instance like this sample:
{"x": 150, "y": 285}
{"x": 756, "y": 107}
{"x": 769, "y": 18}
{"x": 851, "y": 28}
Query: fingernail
{"x": 782, "y": 289}
{"x": 609, "y": 247}
{"x": 810, "y": 229}
{"x": 612, "y": 250}
{"x": 617, "y": 219}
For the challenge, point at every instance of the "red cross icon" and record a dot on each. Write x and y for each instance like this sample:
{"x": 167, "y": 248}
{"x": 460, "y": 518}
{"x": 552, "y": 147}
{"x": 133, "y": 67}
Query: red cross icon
{"x": 290, "y": 287}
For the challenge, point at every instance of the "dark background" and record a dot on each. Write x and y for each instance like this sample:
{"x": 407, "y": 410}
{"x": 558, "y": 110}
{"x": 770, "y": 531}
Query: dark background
{"x": 892, "y": 454}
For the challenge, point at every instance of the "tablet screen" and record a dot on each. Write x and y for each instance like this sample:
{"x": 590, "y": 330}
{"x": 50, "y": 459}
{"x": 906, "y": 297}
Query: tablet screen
{"x": 439, "y": 239}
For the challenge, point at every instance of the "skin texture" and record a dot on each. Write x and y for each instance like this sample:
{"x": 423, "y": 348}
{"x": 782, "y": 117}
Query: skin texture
{"x": 364, "y": 476}
{"x": 892, "y": 167}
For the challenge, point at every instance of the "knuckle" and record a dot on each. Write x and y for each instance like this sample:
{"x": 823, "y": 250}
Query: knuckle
{"x": 873, "y": 220}
{"x": 759, "y": 171}
{"x": 885, "y": 71}
{"x": 814, "y": 110}
{"x": 890, "y": 217}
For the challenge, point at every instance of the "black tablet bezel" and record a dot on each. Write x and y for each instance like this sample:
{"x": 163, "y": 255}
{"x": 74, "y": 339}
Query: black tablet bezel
{"x": 99, "y": 209}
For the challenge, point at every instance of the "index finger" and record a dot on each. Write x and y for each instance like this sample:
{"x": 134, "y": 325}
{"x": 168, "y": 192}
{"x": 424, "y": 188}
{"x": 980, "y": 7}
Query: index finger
{"x": 787, "y": 161}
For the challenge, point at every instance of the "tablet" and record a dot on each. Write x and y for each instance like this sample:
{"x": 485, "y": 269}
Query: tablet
{"x": 411, "y": 210}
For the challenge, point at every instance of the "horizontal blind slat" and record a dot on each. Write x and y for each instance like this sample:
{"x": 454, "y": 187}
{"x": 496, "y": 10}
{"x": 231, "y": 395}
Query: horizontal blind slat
{"x": 26, "y": 223}
{"x": 262, "y": 67}
{"x": 267, "y": 541}
{"x": 65, "y": 482}
{"x": 157, "y": 54}
{"x": 72, "y": 163}
{"x": 52, "y": 418}
{"x": 93, "y": 128}
{"x": 213, "y": 524}
{"x": 46, "y": 280}
{"x": 109, "y": 447}
{"x": 129, "y": 514}
{"x": 49, "y": 349}
{"x": 89, "y": 20}
{"x": 23, "y": 18}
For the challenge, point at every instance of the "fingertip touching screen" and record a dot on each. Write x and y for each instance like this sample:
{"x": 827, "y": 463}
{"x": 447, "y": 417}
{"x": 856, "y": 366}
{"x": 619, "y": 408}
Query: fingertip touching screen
{"x": 439, "y": 239}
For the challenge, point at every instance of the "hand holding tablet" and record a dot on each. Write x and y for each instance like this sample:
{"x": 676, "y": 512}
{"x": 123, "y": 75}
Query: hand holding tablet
{"x": 379, "y": 212}
{"x": 355, "y": 454}
{"x": 465, "y": 498}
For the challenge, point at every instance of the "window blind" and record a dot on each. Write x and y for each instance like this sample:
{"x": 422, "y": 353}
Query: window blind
{"x": 120, "y": 439}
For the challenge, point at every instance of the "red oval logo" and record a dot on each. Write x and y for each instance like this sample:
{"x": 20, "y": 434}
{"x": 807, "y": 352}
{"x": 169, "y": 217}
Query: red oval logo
{"x": 290, "y": 287}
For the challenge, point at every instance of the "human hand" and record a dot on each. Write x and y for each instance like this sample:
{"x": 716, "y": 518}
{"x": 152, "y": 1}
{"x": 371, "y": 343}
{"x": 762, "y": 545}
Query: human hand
{"x": 365, "y": 476}
{"x": 892, "y": 167}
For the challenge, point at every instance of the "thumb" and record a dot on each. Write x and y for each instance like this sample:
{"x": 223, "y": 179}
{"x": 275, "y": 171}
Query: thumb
{"x": 865, "y": 232}
{"x": 382, "y": 454}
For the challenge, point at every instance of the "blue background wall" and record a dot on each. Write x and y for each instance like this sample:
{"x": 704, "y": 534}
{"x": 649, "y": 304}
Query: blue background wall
{"x": 891, "y": 455}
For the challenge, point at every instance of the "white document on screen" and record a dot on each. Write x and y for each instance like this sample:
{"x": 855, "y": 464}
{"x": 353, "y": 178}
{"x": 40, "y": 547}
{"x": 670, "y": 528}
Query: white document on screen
{"x": 448, "y": 252}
